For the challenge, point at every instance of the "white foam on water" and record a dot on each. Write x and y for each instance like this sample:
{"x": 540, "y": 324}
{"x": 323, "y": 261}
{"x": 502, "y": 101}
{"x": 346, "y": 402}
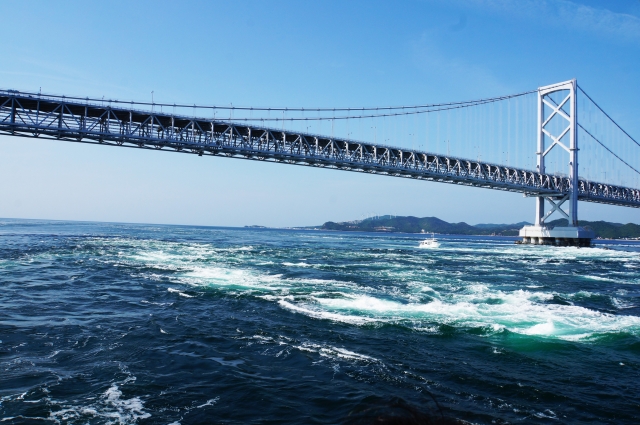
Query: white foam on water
{"x": 546, "y": 253}
{"x": 299, "y": 264}
{"x": 621, "y": 304}
{"x": 600, "y": 278}
{"x": 323, "y": 350}
{"x": 361, "y": 303}
{"x": 111, "y": 407}
{"x": 262, "y": 338}
{"x": 182, "y": 294}
{"x": 547, "y": 414}
{"x": 155, "y": 257}
{"x": 426, "y": 288}
{"x": 518, "y": 311}
{"x": 154, "y": 303}
{"x": 242, "y": 248}
{"x": 235, "y": 278}
{"x": 422, "y": 297}
{"x": 334, "y": 352}
{"x": 209, "y": 403}
{"x": 126, "y": 410}
{"x": 319, "y": 314}
{"x": 586, "y": 294}
{"x": 540, "y": 329}
{"x": 522, "y": 311}
{"x": 160, "y": 254}
{"x": 345, "y": 354}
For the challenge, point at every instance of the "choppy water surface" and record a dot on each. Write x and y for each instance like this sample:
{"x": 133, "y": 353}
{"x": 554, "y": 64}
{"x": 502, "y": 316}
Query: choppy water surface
{"x": 111, "y": 323}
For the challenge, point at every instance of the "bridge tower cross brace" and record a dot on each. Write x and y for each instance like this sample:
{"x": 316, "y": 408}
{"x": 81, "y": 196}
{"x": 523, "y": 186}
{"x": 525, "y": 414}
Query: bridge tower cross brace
{"x": 570, "y": 133}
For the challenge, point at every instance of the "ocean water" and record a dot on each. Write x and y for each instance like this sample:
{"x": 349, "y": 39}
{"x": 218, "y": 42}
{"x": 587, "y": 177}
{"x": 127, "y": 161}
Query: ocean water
{"x": 122, "y": 324}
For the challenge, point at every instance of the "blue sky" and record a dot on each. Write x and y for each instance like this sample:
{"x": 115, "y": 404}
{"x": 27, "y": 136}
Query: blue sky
{"x": 293, "y": 53}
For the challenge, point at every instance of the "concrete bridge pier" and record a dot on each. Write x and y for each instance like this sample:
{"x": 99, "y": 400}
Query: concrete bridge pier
{"x": 557, "y": 236}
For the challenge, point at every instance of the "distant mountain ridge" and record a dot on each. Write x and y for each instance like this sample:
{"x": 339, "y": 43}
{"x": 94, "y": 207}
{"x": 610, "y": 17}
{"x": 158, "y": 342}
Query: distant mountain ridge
{"x": 410, "y": 224}
{"x": 605, "y": 229}
{"x": 497, "y": 226}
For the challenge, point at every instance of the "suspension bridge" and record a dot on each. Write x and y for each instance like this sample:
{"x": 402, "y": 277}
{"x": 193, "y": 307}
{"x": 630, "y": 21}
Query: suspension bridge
{"x": 542, "y": 125}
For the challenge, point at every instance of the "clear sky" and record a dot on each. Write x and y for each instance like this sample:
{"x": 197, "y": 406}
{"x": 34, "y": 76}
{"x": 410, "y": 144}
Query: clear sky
{"x": 293, "y": 53}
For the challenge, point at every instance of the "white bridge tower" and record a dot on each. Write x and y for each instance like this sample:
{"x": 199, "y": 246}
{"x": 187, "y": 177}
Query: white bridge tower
{"x": 566, "y": 112}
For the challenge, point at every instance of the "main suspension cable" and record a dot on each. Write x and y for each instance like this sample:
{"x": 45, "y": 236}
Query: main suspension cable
{"x": 250, "y": 108}
{"x": 395, "y": 114}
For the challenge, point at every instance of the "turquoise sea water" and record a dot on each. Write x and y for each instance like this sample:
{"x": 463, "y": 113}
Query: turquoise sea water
{"x": 117, "y": 323}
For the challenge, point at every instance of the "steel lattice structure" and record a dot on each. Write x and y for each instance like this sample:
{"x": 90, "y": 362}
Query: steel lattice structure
{"x": 54, "y": 117}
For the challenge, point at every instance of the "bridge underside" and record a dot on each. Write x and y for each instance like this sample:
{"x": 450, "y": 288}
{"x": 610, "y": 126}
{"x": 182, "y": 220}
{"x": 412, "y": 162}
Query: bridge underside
{"x": 41, "y": 116}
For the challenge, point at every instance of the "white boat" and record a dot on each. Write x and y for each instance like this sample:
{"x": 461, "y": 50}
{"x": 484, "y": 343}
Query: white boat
{"x": 430, "y": 243}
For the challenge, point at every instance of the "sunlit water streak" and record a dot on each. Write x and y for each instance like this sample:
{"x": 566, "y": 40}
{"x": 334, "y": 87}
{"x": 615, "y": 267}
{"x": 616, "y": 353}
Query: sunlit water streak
{"x": 112, "y": 323}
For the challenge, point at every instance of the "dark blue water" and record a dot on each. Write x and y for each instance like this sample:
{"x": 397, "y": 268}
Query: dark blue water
{"x": 115, "y": 323}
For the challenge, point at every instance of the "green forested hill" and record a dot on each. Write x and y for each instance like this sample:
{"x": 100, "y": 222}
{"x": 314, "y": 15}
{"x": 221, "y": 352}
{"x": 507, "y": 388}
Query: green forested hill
{"x": 417, "y": 225}
{"x": 387, "y": 223}
{"x": 605, "y": 229}
{"x": 404, "y": 224}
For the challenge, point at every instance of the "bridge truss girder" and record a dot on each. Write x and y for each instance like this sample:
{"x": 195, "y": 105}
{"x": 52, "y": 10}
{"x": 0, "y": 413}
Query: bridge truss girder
{"x": 54, "y": 118}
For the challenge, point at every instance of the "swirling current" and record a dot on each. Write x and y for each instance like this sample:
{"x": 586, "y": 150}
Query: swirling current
{"x": 150, "y": 324}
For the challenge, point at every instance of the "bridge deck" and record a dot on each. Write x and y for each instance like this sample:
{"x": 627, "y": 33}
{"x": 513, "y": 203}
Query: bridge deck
{"x": 54, "y": 117}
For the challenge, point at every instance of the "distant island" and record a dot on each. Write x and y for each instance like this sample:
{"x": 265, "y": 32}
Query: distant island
{"x": 388, "y": 223}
